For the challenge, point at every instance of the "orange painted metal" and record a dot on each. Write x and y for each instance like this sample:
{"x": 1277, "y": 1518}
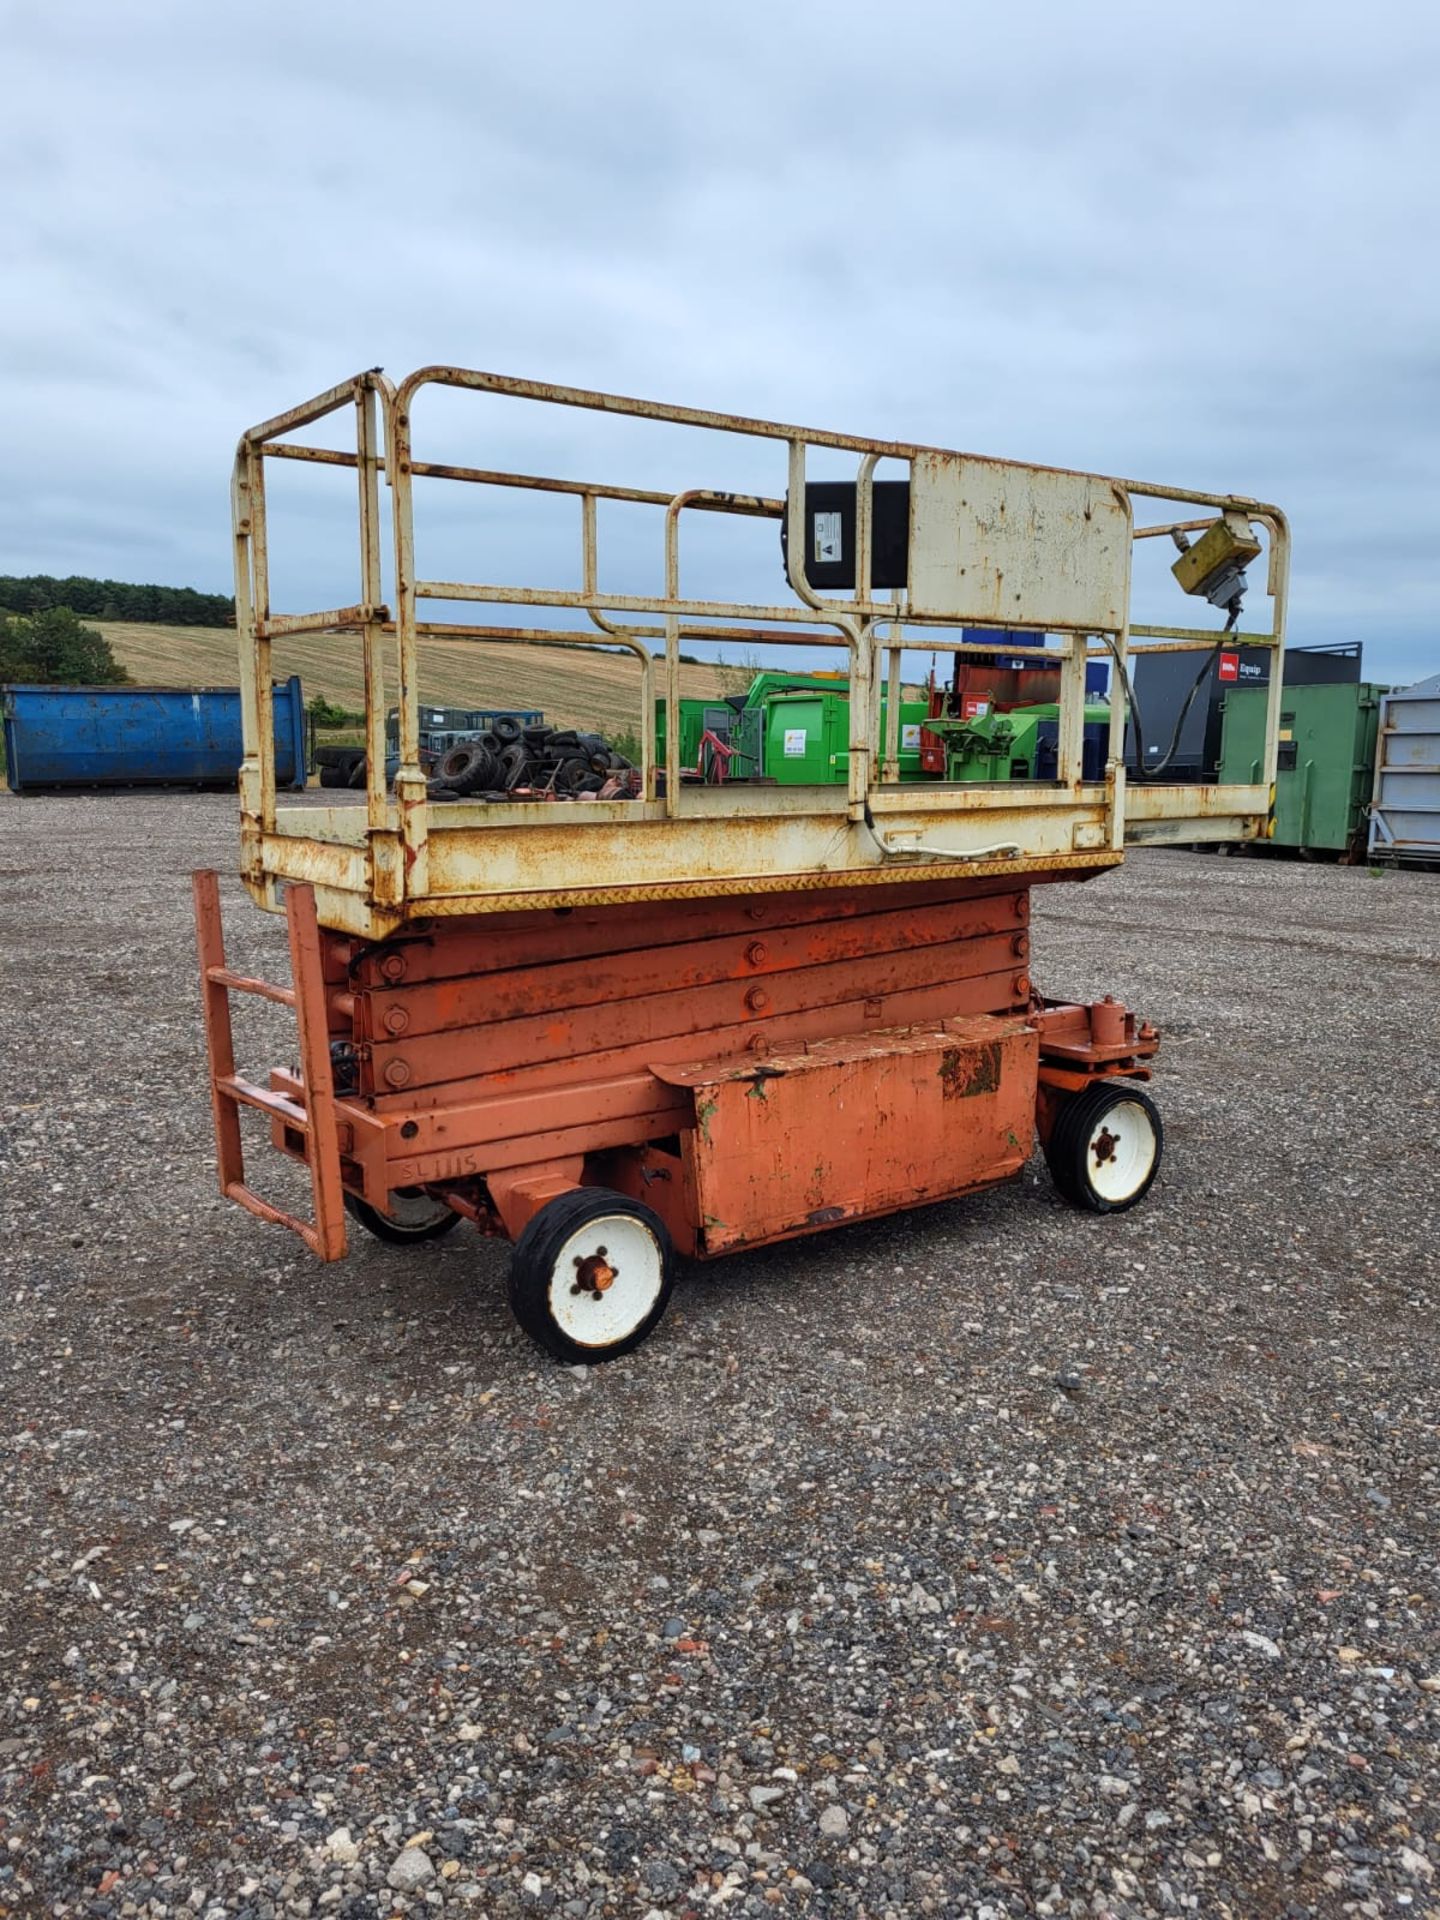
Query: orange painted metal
{"x": 920, "y": 1005}
{"x": 549, "y": 982}
{"x": 1081, "y": 1044}
{"x": 1104, "y": 1034}
{"x": 519, "y": 1194}
{"x": 524, "y": 1010}
{"x": 846, "y": 1129}
{"x": 459, "y": 948}
{"x": 219, "y": 1039}
{"x": 660, "y": 1175}
{"x": 315, "y": 1120}
{"x": 636, "y": 1022}
{"x": 753, "y": 1069}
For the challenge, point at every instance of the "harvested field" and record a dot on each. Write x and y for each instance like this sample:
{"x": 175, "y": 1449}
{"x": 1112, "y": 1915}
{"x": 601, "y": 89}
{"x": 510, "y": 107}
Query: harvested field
{"x": 993, "y": 1560}
{"x": 572, "y": 687}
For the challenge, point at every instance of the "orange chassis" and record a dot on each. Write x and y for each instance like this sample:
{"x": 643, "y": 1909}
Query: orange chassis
{"x": 752, "y": 1068}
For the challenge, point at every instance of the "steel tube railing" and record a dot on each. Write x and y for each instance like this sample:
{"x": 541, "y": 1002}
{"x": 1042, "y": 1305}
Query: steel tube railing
{"x": 398, "y": 830}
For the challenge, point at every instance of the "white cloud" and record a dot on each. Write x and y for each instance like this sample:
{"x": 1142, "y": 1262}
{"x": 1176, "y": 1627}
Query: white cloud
{"x": 1196, "y": 248}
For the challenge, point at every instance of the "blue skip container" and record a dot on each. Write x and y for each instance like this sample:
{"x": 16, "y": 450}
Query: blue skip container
{"x": 141, "y": 736}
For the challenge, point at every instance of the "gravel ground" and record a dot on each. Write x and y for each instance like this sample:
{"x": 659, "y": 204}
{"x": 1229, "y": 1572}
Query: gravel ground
{"x": 994, "y": 1560}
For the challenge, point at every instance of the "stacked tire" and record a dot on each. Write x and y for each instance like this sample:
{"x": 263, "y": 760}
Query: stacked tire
{"x": 341, "y": 766}
{"x": 543, "y": 760}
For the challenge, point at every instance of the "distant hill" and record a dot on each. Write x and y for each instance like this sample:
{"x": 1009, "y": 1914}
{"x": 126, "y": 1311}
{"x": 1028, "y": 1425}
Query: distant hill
{"x": 571, "y": 687}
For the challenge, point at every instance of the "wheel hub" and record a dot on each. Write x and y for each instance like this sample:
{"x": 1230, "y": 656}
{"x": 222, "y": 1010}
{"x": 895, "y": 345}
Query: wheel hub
{"x": 1104, "y": 1144}
{"x": 594, "y": 1273}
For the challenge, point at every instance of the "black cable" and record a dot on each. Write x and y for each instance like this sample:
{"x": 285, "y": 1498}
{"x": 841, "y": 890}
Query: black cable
{"x": 1143, "y": 772}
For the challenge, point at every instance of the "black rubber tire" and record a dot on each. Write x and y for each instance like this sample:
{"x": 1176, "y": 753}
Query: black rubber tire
{"x": 515, "y": 765}
{"x": 1067, "y": 1150}
{"x": 391, "y": 1231}
{"x": 506, "y": 728}
{"x": 467, "y": 767}
{"x": 334, "y": 777}
{"x": 435, "y": 791}
{"x": 570, "y": 775}
{"x": 532, "y": 1265}
{"x": 357, "y": 773}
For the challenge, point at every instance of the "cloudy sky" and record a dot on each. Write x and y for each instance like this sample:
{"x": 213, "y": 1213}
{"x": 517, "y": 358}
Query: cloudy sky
{"x": 1197, "y": 247}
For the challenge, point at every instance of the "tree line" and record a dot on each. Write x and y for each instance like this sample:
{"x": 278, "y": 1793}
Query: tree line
{"x": 115, "y": 600}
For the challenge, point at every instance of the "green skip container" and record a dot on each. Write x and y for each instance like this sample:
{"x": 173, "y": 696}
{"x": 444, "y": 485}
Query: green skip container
{"x": 1327, "y": 761}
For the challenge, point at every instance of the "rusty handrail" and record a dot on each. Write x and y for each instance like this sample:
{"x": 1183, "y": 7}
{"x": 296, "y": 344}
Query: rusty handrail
{"x": 397, "y": 839}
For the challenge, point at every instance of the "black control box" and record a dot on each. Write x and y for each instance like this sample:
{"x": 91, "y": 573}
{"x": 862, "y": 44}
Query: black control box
{"x": 830, "y": 533}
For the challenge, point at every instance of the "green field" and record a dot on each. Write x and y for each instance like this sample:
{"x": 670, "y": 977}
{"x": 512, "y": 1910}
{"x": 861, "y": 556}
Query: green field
{"x": 571, "y": 687}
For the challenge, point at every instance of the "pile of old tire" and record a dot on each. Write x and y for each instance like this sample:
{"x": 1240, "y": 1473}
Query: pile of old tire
{"x": 516, "y": 762}
{"x": 341, "y": 766}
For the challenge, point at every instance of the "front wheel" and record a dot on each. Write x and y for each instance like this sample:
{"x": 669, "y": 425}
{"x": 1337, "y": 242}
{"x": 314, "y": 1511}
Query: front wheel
{"x": 414, "y": 1216}
{"x": 591, "y": 1274}
{"x": 1105, "y": 1146}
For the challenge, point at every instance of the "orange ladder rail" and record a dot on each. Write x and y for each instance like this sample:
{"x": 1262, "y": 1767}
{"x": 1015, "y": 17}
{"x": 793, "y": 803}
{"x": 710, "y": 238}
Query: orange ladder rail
{"x": 229, "y": 1091}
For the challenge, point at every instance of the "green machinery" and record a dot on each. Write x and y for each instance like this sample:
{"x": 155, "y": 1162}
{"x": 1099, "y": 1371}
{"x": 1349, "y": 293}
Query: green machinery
{"x": 1326, "y": 765}
{"x": 1021, "y": 744}
{"x": 794, "y": 729}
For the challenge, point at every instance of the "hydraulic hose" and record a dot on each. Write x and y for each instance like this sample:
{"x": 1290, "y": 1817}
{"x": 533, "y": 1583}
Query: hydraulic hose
{"x": 1143, "y": 772}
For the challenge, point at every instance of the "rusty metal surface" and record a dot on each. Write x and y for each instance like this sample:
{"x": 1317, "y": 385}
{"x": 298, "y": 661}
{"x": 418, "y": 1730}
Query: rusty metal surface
{"x": 349, "y": 912}
{"x": 794, "y": 1062}
{"x": 849, "y": 1128}
{"x": 1015, "y": 544}
{"x": 993, "y": 542}
{"x": 1098, "y": 1039}
{"x": 582, "y": 1037}
{"x": 315, "y": 1119}
{"x": 543, "y": 937}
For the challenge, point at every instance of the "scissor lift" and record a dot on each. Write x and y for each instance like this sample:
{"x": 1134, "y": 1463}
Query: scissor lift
{"x": 707, "y": 1016}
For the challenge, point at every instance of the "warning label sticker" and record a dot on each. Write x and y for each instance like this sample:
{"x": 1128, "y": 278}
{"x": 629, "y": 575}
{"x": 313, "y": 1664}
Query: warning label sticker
{"x": 828, "y": 541}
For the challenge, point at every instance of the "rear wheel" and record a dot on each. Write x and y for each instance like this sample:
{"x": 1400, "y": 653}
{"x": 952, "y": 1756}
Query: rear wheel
{"x": 1105, "y": 1147}
{"x": 415, "y": 1215}
{"x": 591, "y": 1274}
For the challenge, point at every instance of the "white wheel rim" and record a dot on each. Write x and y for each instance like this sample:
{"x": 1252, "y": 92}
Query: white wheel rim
{"x": 1120, "y": 1151}
{"x": 413, "y": 1212}
{"x": 605, "y": 1280}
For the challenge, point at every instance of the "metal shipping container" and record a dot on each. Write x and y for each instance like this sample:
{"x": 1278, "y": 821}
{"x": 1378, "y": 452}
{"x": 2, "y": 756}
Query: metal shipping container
{"x": 1162, "y": 683}
{"x": 142, "y": 736}
{"x": 1326, "y": 758}
{"x": 1405, "y": 809}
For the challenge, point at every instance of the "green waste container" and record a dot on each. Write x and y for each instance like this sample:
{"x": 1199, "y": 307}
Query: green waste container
{"x": 1326, "y": 765}
{"x": 807, "y": 738}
